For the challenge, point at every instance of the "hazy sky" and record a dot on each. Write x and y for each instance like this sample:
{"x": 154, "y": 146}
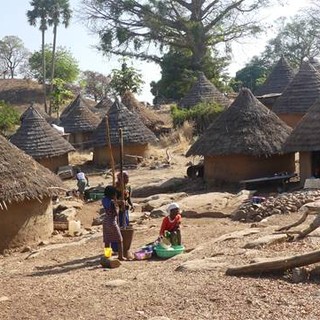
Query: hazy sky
{"x": 77, "y": 39}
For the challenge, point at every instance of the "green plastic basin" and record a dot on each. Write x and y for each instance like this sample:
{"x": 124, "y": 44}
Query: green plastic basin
{"x": 168, "y": 253}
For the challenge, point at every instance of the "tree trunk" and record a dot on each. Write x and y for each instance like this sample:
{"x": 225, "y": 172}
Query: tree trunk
{"x": 44, "y": 71}
{"x": 275, "y": 265}
{"x": 53, "y": 62}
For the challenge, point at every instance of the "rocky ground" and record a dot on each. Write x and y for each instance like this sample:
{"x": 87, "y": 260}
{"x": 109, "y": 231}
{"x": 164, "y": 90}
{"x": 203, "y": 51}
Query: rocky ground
{"x": 62, "y": 279}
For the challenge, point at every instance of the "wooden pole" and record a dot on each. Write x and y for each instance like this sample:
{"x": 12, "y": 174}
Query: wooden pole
{"x": 109, "y": 148}
{"x": 121, "y": 174}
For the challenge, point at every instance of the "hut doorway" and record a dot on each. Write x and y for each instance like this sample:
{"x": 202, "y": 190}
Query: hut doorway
{"x": 315, "y": 164}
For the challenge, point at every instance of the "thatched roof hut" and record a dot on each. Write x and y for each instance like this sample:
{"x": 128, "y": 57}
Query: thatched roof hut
{"x": 80, "y": 122}
{"x": 25, "y": 198}
{"x": 149, "y": 117}
{"x": 42, "y": 142}
{"x": 279, "y": 78}
{"x": 78, "y": 102}
{"x": 102, "y": 107}
{"x": 42, "y": 113}
{"x": 299, "y": 95}
{"x": 244, "y": 142}
{"x": 305, "y": 139}
{"x": 136, "y": 136}
{"x": 203, "y": 91}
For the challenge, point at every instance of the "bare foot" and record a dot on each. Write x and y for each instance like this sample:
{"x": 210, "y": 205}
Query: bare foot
{"x": 122, "y": 258}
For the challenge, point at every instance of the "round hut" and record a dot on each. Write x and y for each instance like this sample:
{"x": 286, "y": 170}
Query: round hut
{"x": 80, "y": 122}
{"x": 42, "y": 142}
{"x": 299, "y": 95}
{"x": 25, "y": 198}
{"x": 305, "y": 140}
{"x": 42, "y": 113}
{"x": 150, "y": 119}
{"x": 279, "y": 78}
{"x": 244, "y": 142}
{"x": 102, "y": 107}
{"x": 203, "y": 91}
{"x": 136, "y": 136}
{"x": 76, "y": 103}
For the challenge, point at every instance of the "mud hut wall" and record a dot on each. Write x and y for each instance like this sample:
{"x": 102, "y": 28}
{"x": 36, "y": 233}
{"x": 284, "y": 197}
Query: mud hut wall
{"x": 25, "y": 223}
{"x": 291, "y": 119}
{"x": 81, "y": 140}
{"x": 235, "y": 168}
{"x": 101, "y": 155}
{"x": 54, "y": 163}
{"x": 305, "y": 166}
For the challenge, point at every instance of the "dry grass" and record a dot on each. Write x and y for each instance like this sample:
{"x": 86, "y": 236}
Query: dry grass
{"x": 79, "y": 158}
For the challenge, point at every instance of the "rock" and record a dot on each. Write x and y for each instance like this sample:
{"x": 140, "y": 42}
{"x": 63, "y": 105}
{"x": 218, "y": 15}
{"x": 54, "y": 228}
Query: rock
{"x": 26, "y": 249}
{"x": 63, "y": 205}
{"x": 207, "y": 264}
{"x": 65, "y": 215}
{"x": 157, "y": 213}
{"x": 299, "y": 275}
{"x": 109, "y": 263}
{"x": 266, "y": 240}
{"x": 4, "y": 298}
{"x": 159, "y": 318}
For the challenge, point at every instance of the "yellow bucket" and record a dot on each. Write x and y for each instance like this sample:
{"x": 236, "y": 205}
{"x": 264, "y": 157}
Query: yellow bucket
{"x": 107, "y": 252}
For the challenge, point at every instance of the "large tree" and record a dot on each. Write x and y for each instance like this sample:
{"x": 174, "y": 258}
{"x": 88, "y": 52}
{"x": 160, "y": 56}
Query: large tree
{"x": 96, "y": 84}
{"x": 66, "y": 66}
{"x": 12, "y": 54}
{"x": 40, "y": 13}
{"x": 129, "y": 27}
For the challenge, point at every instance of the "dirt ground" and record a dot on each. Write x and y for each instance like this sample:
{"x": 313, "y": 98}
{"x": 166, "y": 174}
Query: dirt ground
{"x": 63, "y": 279}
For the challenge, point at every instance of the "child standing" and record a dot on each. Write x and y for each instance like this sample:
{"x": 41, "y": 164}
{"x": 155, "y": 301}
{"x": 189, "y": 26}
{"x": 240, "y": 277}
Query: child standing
{"x": 171, "y": 223}
{"x": 111, "y": 230}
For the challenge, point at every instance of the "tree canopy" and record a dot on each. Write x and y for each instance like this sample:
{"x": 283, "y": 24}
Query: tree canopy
{"x": 12, "y": 54}
{"x": 134, "y": 28}
{"x": 66, "y": 67}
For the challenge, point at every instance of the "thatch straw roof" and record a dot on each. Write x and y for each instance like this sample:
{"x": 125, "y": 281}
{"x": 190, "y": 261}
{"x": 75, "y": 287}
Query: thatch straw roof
{"x": 279, "y": 78}
{"x": 38, "y": 139}
{"x": 78, "y": 102}
{"x": 42, "y": 113}
{"x": 102, "y": 107}
{"x": 134, "y": 131}
{"x": 301, "y": 93}
{"x": 80, "y": 119}
{"x": 305, "y": 136}
{"x": 315, "y": 62}
{"x": 148, "y": 117}
{"x": 203, "y": 91}
{"x": 247, "y": 127}
{"x": 22, "y": 177}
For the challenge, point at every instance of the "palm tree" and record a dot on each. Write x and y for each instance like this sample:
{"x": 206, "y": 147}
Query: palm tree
{"x": 40, "y": 12}
{"x": 60, "y": 12}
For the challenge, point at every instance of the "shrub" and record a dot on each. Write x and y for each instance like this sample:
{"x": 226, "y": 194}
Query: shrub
{"x": 9, "y": 117}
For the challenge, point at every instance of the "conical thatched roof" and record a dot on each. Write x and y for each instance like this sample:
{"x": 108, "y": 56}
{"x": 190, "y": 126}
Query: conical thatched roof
{"x": 279, "y": 78}
{"x": 38, "y": 139}
{"x": 80, "y": 119}
{"x": 305, "y": 136}
{"x": 148, "y": 117}
{"x": 78, "y": 102}
{"x": 22, "y": 177}
{"x": 203, "y": 91}
{"x": 315, "y": 62}
{"x": 134, "y": 131}
{"x": 247, "y": 127}
{"x": 301, "y": 93}
{"x": 102, "y": 107}
{"x": 42, "y": 113}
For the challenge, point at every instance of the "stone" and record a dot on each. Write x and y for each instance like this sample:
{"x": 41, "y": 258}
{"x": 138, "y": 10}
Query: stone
{"x": 4, "y": 298}
{"x": 116, "y": 283}
{"x": 266, "y": 240}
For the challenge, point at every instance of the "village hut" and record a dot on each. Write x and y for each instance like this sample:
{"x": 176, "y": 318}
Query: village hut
{"x": 42, "y": 142}
{"x": 149, "y": 117}
{"x": 80, "y": 123}
{"x": 102, "y": 107}
{"x": 25, "y": 198}
{"x": 136, "y": 136}
{"x": 203, "y": 91}
{"x": 305, "y": 140}
{"x": 244, "y": 142}
{"x": 78, "y": 102}
{"x": 279, "y": 78}
{"x": 42, "y": 113}
{"x": 299, "y": 95}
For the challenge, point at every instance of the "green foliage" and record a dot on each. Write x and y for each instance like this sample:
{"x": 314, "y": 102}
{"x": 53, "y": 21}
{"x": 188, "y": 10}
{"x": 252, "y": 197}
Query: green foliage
{"x": 202, "y": 115}
{"x": 251, "y": 76}
{"x": 59, "y": 95}
{"x": 95, "y": 84}
{"x": 9, "y": 117}
{"x": 126, "y": 79}
{"x": 66, "y": 67}
{"x": 177, "y": 75}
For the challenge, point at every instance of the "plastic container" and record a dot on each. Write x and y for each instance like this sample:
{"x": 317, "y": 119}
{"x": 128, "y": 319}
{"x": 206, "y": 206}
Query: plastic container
{"x": 108, "y": 252}
{"x": 74, "y": 226}
{"x": 143, "y": 255}
{"x": 168, "y": 253}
